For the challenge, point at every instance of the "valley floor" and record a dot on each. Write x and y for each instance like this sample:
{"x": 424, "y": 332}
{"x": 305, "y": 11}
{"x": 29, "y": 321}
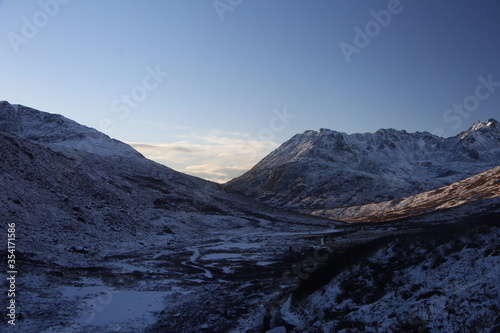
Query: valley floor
{"x": 380, "y": 278}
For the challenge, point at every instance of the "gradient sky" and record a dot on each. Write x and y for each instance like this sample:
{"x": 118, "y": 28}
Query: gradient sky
{"x": 236, "y": 78}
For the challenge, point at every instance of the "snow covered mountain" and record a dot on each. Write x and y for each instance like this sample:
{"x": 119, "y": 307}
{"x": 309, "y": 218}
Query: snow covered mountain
{"x": 58, "y": 132}
{"x": 326, "y": 169}
{"x": 106, "y": 221}
{"x": 109, "y": 241}
{"x": 479, "y": 188}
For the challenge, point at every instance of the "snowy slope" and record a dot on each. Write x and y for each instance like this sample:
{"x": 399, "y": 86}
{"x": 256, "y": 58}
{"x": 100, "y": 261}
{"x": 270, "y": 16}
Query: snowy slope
{"x": 91, "y": 228}
{"x": 327, "y": 169}
{"x": 483, "y": 186}
{"x": 58, "y": 132}
{"x": 57, "y": 193}
{"x": 435, "y": 281}
{"x": 106, "y": 246}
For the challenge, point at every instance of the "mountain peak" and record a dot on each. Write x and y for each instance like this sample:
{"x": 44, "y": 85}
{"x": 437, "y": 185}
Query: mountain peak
{"x": 489, "y": 125}
{"x": 389, "y": 130}
{"x": 492, "y": 122}
{"x": 56, "y": 132}
{"x": 478, "y": 124}
{"x": 321, "y": 168}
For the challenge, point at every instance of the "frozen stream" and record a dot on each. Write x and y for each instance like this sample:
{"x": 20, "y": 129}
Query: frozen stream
{"x": 226, "y": 258}
{"x": 192, "y": 260}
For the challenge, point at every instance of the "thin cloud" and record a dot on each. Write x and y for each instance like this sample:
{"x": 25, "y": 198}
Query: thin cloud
{"x": 215, "y": 156}
{"x": 156, "y": 124}
{"x": 153, "y": 147}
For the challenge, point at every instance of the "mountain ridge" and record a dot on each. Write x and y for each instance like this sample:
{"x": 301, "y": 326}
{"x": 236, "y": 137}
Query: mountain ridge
{"x": 58, "y": 132}
{"x": 485, "y": 185}
{"x": 88, "y": 220}
{"x": 99, "y": 229}
{"x": 329, "y": 169}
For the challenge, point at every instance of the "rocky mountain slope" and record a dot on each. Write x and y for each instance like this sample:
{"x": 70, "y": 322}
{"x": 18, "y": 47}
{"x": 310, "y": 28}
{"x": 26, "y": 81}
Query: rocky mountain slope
{"x": 58, "y": 132}
{"x": 433, "y": 280}
{"x": 480, "y": 187}
{"x": 100, "y": 219}
{"x": 326, "y": 169}
{"x": 108, "y": 241}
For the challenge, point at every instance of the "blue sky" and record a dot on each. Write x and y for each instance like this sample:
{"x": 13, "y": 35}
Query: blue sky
{"x": 211, "y": 87}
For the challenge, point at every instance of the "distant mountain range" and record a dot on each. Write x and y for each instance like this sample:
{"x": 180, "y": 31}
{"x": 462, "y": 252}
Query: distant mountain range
{"x": 90, "y": 208}
{"x": 107, "y": 240}
{"x": 324, "y": 170}
{"x": 68, "y": 181}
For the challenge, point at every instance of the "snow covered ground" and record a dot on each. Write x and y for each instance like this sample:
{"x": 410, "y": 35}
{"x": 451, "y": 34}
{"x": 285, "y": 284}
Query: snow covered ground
{"x": 163, "y": 287}
{"x": 445, "y": 282}
{"x": 108, "y": 241}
